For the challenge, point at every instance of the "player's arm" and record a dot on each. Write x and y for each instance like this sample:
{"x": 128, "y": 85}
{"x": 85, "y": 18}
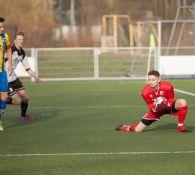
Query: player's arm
{"x": 170, "y": 95}
{"x": 9, "y": 55}
{"x": 29, "y": 70}
{"x": 159, "y": 106}
{"x": 165, "y": 104}
{"x": 162, "y": 105}
{"x": 149, "y": 102}
{"x": 33, "y": 74}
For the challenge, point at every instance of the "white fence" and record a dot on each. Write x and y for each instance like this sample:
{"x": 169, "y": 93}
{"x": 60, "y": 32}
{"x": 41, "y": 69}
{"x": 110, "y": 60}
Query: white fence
{"x": 107, "y": 63}
{"x": 92, "y": 63}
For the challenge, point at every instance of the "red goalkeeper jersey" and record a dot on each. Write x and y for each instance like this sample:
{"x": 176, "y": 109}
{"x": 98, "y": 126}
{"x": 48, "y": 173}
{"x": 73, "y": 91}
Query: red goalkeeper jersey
{"x": 165, "y": 90}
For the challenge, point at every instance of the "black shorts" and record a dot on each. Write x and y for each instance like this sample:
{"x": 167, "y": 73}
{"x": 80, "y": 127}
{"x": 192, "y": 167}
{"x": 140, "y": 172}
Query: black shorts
{"x": 15, "y": 86}
{"x": 173, "y": 109}
{"x": 147, "y": 122}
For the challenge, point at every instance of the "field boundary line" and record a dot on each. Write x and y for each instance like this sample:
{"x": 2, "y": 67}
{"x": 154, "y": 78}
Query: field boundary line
{"x": 87, "y": 107}
{"x": 84, "y": 107}
{"x": 95, "y": 153}
{"x": 184, "y": 92}
{"x": 111, "y": 106}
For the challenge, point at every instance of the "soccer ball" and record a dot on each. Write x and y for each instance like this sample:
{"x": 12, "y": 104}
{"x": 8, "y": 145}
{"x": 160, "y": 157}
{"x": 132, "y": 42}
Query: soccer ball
{"x": 162, "y": 105}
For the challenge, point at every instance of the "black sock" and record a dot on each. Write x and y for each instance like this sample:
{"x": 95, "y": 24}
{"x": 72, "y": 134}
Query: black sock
{"x": 24, "y": 106}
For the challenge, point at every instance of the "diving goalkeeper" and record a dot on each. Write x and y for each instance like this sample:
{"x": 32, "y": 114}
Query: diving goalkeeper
{"x": 159, "y": 96}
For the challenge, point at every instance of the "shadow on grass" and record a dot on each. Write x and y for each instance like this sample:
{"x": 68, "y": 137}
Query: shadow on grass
{"x": 39, "y": 116}
{"x": 168, "y": 126}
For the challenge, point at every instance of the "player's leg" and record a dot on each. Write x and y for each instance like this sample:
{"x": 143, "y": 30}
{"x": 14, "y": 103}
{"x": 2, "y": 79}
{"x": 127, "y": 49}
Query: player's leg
{"x": 147, "y": 120}
{"x": 15, "y": 99}
{"x": 3, "y": 91}
{"x": 2, "y": 108}
{"x": 24, "y": 104}
{"x": 144, "y": 123}
{"x": 3, "y": 102}
{"x": 137, "y": 127}
{"x": 17, "y": 86}
{"x": 180, "y": 109}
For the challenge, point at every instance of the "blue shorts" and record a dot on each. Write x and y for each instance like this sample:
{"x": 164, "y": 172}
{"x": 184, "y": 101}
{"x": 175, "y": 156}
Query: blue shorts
{"x": 3, "y": 82}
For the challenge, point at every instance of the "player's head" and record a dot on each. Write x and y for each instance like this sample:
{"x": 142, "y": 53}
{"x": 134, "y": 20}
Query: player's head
{"x": 19, "y": 39}
{"x": 1, "y": 25}
{"x": 154, "y": 79}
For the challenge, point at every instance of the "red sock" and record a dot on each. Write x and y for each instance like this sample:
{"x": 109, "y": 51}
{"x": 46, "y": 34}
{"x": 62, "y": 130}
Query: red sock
{"x": 132, "y": 127}
{"x": 182, "y": 114}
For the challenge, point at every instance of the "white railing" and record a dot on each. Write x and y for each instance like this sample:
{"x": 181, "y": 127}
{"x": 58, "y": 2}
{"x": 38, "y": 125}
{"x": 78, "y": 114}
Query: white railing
{"x": 91, "y": 63}
{"x": 99, "y": 63}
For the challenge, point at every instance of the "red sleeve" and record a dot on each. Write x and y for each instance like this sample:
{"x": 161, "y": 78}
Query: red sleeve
{"x": 149, "y": 102}
{"x": 170, "y": 94}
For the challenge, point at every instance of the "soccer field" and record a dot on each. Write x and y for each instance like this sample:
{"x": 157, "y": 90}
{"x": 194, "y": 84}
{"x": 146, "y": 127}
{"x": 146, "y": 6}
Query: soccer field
{"x": 74, "y": 132}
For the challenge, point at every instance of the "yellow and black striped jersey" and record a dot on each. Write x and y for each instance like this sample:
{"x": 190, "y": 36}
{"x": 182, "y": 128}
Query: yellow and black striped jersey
{"x": 4, "y": 46}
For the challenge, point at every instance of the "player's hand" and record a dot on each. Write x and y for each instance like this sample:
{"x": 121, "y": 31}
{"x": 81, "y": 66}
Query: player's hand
{"x": 162, "y": 105}
{"x": 37, "y": 80}
{"x": 159, "y": 100}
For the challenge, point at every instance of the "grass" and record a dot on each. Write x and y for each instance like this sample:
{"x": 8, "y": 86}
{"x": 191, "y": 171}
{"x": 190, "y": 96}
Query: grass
{"x": 80, "y": 117}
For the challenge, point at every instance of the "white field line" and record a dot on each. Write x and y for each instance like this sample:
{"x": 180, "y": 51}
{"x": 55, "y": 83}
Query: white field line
{"x": 111, "y": 94}
{"x": 86, "y": 107}
{"x": 95, "y": 153}
{"x": 82, "y": 107}
{"x": 89, "y": 107}
{"x": 111, "y": 106}
{"x": 85, "y": 94}
{"x": 184, "y": 92}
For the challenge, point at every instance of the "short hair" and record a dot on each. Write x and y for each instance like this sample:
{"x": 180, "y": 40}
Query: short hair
{"x": 2, "y": 19}
{"x": 154, "y": 72}
{"x": 18, "y": 34}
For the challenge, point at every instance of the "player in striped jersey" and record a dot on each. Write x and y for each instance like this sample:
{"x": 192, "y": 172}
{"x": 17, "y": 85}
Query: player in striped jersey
{"x": 5, "y": 50}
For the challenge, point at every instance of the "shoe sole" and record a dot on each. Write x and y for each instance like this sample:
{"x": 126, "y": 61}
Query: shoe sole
{"x": 185, "y": 131}
{"x": 118, "y": 128}
{"x": 188, "y": 131}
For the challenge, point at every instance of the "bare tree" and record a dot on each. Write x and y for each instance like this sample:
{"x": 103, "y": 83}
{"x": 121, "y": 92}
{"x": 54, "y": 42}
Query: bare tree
{"x": 35, "y": 18}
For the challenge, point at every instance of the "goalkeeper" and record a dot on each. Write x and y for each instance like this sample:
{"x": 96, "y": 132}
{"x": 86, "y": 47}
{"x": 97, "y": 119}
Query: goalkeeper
{"x": 17, "y": 92}
{"x": 159, "y": 96}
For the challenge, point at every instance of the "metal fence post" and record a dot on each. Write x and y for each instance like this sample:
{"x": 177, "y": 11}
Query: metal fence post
{"x": 159, "y": 44}
{"x": 96, "y": 62}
